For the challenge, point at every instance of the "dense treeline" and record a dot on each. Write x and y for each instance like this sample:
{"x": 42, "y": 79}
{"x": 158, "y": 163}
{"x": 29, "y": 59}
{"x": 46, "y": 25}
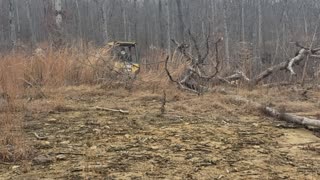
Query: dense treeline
{"x": 264, "y": 27}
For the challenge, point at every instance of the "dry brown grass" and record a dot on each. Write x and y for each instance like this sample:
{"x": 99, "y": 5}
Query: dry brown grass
{"x": 13, "y": 144}
{"x": 26, "y": 79}
{"x": 153, "y": 75}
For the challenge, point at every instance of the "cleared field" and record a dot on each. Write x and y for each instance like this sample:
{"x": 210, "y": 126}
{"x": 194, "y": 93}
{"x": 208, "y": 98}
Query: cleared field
{"x": 198, "y": 137}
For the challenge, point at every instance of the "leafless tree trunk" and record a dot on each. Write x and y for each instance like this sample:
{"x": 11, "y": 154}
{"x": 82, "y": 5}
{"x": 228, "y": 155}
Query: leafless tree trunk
{"x": 17, "y": 17}
{"x": 79, "y": 21}
{"x": 181, "y": 23}
{"x": 260, "y": 36}
{"x": 226, "y": 35}
{"x": 213, "y": 11}
{"x": 305, "y": 22}
{"x": 161, "y": 26}
{"x": 242, "y": 22}
{"x": 13, "y": 36}
{"x": 168, "y": 27}
{"x": 304, "y": 73}
{"x": 124, "y": 17}
{"x": 105, "y": 21}
{"x": 203, "y": 30}
{"x": 58, "y": 8}
{"x": 33, "y": 39}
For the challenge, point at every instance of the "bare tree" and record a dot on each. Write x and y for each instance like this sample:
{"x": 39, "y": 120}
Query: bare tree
{"x": 168, "y": 27}
{"x": 79, "y": 20}
{"x": 13, "y": 36}
{"x": 17, "y": 17}
{"x": 33, "y": 38}
{"x": 180, "y": 23}
{"x": 105, "y": 21}
{"x": 226, "y": 34}
{"x": 58, "y": 8}
{"x": 242, "y": 21}
{"x": 161, "y": 25}
{"x": 124, "y": 17}
{"x": 260, "y": 37}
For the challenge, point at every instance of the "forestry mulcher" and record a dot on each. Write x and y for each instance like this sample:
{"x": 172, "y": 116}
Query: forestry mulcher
{"x": 127, "y": 59}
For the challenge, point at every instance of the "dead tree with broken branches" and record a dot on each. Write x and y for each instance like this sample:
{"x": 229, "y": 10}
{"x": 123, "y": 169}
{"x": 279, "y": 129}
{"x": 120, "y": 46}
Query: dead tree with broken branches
{"x": 195, "y": 74}
{"x": 289, "y": 64}
{"x": 302, "y": 54}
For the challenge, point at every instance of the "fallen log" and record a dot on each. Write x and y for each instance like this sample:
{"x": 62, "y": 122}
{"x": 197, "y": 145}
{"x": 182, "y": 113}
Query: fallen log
{"x": 291, "y": 118}
{"x": 305, "y": 121}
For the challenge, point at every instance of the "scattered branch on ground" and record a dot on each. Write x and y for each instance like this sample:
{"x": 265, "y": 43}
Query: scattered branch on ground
{"x": 112, "y": 110}
{"x": 40, "y": 137}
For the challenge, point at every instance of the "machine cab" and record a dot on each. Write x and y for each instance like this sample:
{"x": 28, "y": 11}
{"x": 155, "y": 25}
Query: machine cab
{"x": 126, "y": 54}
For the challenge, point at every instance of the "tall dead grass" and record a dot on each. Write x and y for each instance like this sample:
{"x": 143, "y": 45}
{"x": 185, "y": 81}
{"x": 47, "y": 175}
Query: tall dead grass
{"x": 24, "y": 77}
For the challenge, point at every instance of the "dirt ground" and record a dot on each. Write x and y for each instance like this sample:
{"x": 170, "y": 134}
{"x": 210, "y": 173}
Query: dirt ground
{"x": 198, "y": 137}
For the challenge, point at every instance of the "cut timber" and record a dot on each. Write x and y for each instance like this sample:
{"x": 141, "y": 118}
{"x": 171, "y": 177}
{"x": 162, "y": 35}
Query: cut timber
{"x": 279, "y": 115}
{"x": 112, "y": 110}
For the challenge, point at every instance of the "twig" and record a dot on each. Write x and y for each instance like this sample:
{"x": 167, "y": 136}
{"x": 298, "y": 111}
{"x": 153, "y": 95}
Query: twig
{"x": 34, "y": 85}
{"x": 167, "y": 71}
{"x": 6, "y": 163}
{"x": 39, "y": 137}
{"x": 70, "y": 153}
{"x": 112, "y": 110}
{"x": 163, "y": 103}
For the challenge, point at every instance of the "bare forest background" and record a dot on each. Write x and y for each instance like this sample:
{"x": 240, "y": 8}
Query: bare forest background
{"x": 259, "y": 30}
